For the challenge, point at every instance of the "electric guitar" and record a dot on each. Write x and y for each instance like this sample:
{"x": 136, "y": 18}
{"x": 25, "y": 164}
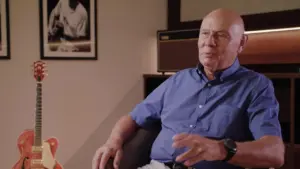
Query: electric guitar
{"x": 36, "y": 153}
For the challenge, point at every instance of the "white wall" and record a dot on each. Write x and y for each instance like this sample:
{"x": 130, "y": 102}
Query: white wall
{"x": 81, "y": 99}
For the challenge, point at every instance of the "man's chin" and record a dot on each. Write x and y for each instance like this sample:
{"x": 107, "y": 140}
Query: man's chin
{"x": 209, "y": 62}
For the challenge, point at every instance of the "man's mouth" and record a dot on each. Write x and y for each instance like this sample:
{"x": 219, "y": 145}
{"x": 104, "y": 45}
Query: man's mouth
{"x": 209, "y": 54}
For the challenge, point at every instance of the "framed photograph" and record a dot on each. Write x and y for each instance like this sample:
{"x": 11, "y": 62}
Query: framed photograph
{"x": 68, "y": 29}
{"x": 4, "y": 30}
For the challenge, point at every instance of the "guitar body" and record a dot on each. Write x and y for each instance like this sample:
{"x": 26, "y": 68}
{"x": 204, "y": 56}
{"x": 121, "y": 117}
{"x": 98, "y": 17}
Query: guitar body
{"x": 25, "y": 146}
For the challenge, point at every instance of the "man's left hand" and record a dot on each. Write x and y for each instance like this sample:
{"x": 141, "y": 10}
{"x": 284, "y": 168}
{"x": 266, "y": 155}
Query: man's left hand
{"x": 200, "y": 148}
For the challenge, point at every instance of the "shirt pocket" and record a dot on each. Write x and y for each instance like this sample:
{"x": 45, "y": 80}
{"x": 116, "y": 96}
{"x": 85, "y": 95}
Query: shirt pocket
{"x": 223, "y": 120}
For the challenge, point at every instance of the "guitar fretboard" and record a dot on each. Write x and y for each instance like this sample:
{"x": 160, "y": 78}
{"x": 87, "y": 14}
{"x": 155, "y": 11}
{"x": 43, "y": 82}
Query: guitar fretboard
{"x": 38, "y": 116}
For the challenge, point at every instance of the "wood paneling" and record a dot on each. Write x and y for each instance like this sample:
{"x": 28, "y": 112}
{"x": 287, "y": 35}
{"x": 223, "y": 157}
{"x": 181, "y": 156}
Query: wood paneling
{"x": 178, "y": 49}
{"x": 272, "y": 48}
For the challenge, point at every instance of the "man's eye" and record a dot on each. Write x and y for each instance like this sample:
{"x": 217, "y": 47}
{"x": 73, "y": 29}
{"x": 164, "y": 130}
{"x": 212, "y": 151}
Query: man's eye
{"x": 205, "y": 33}
{"x": 222, "y": 35}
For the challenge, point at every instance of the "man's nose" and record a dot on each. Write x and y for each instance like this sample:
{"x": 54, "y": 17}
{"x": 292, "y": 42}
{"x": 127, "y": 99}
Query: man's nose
{"x": 210, "y": 41}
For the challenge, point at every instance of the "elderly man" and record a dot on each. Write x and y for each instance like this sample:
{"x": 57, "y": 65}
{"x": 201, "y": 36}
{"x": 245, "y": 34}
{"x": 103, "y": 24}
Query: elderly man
{"x": 218, "y": 115}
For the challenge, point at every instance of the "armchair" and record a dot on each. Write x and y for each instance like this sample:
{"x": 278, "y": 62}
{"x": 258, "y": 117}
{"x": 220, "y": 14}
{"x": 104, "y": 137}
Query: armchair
{"x": 137, "y": 149}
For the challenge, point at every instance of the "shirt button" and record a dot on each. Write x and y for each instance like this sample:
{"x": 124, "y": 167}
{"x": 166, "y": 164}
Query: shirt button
{"x": 200, "y": 106}
{"x": 191, "y": 126}
{"x": 208, "y": 84}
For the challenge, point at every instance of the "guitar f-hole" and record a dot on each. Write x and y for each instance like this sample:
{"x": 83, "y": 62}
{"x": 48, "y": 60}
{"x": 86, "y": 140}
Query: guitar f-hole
{"x": 23, "y": 164}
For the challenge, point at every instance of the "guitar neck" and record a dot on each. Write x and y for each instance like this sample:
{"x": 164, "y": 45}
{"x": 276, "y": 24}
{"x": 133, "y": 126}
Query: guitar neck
{"x": 38, "y": 116}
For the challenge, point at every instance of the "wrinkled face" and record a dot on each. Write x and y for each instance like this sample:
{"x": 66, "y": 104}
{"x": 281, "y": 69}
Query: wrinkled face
{"x": 219, "y": 43}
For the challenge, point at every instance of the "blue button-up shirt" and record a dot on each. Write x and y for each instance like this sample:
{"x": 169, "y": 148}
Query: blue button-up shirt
{"x": 239, "y": 104}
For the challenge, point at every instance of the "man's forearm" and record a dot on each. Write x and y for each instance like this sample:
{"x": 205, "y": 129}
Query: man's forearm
{"x": 264, "y": 153}
{"x": 122, "y": 130}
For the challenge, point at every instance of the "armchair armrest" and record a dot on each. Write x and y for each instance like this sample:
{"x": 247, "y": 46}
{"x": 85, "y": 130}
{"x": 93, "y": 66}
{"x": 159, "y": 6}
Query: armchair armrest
{"x": 136, "y": 151}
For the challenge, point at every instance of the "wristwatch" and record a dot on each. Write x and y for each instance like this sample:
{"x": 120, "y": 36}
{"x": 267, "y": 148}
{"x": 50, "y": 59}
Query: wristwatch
{"x": 230, "y": 147}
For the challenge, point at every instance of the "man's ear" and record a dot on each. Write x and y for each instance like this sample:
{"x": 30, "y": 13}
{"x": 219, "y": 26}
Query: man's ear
{"x": 243, "y": 43}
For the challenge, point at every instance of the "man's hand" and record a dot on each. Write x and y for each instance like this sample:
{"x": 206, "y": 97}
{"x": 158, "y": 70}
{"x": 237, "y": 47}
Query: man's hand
{"x": 104, "y": 153}
{"x": 113, "y": 148}
{"x": 200, "y": 148}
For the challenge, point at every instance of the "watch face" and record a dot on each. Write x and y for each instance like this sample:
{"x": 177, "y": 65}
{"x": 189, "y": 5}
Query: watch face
{"x": 230, "y": 144}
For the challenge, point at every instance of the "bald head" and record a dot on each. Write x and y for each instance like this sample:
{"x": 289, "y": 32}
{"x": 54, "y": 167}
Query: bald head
{"x": 221, "y": 38}
{"x": 225, "y": 19}
{"x": 230, "y": 15}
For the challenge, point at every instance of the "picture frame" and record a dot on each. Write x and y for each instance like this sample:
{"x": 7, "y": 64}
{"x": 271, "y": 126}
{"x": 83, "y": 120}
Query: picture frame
{"x": 68, "y": 29}
{"x": 4, "y": 30}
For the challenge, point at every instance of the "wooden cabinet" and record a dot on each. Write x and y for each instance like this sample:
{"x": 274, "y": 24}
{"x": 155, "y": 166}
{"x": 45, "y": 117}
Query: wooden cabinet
{"x": 297, "y": 156}
{"x": 287, "y": 91}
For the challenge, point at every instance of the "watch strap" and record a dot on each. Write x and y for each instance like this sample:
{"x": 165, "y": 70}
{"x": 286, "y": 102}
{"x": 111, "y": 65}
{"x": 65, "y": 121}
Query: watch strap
{"x": 230, "y": 150}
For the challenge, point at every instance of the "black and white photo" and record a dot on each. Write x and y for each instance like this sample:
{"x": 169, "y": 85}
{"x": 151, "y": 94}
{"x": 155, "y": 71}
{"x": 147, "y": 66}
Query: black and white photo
{"x": 4, "y": 30}
{"x": 68, "y": 29}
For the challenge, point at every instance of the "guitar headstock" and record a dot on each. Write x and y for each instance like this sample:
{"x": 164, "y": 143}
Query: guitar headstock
{"x": 39, "y": 70}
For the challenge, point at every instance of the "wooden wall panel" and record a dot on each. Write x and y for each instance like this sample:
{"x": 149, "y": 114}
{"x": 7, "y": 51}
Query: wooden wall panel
{"x": 180, "y": 51}
{"x": 272, "y": 48}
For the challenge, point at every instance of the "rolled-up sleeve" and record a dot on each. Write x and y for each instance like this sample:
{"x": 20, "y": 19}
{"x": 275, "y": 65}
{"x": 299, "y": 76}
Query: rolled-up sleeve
{"x": 148, "y": 111}
{"x": 263, "y": 111}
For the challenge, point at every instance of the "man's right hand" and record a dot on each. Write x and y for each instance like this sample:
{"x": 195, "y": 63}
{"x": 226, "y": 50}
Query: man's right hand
{"x": 105, "y": 152}
{"x": 113, "y": 148}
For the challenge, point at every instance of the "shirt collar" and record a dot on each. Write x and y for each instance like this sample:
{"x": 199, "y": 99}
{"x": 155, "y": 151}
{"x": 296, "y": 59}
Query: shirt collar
{"x": 223, "y": 74}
